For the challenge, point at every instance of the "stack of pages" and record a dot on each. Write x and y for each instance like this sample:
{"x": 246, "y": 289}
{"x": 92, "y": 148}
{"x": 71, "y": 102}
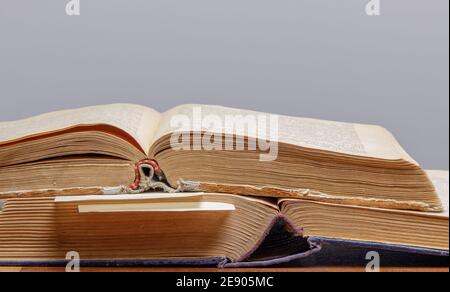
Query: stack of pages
{"x": 113, "y": 184}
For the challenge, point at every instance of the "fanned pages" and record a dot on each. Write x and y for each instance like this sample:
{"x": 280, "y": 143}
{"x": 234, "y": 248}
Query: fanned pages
{"x": 323, "y": 159}
{"x": 356, "y": 223}
{"x": 148, "y": 225}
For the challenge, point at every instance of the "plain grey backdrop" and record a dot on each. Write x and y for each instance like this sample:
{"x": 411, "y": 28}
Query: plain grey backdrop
{"x": 314, "y": 58}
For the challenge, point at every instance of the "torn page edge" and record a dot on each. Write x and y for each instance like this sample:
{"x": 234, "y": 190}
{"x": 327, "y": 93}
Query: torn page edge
{"x": 307, "y": 194}
{"x": 52, "y": 193}
{"x": 148, "y": 177}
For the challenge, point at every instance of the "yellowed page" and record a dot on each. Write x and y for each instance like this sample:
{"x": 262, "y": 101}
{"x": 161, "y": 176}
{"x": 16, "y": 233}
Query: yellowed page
{"x": 347, "y": 138}
{"x": 138, "y": 121}
{"x": 440, "y": 179}
{"x": 380, "y": 143}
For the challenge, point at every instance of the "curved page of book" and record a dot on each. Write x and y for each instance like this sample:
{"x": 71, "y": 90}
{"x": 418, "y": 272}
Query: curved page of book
{"x": 331, "y": 159}
{"x": 88, "y": 147}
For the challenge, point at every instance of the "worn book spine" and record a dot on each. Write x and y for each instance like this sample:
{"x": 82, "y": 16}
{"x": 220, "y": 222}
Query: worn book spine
{"x": 145, "y": 170}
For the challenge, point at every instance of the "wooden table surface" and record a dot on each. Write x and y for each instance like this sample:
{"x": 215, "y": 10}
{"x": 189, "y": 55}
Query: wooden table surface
{"x": 270, "y": 270}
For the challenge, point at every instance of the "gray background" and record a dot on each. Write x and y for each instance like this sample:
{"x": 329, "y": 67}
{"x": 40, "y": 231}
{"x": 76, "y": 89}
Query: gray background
{"x": 315, "y": 58}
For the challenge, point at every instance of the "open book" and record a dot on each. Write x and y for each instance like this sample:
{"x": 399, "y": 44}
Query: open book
{"x": 205, "y": 228}
{"x": 123, "y": 148}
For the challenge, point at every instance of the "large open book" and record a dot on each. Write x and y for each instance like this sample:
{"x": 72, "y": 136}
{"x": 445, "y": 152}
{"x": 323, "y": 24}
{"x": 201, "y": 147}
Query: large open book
{"x": 125, "y": 148}
{"x": 206, "y": 228}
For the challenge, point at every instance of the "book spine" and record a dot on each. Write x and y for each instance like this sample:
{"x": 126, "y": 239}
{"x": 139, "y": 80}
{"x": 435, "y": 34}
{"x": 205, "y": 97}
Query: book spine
{"x": 281, "y": 235}
{"x": 145, "y": 171}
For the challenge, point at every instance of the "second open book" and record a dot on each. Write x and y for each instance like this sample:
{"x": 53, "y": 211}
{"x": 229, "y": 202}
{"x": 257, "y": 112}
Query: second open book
{"x": 206, "y": 228}
{"x": 130, "y": 148}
